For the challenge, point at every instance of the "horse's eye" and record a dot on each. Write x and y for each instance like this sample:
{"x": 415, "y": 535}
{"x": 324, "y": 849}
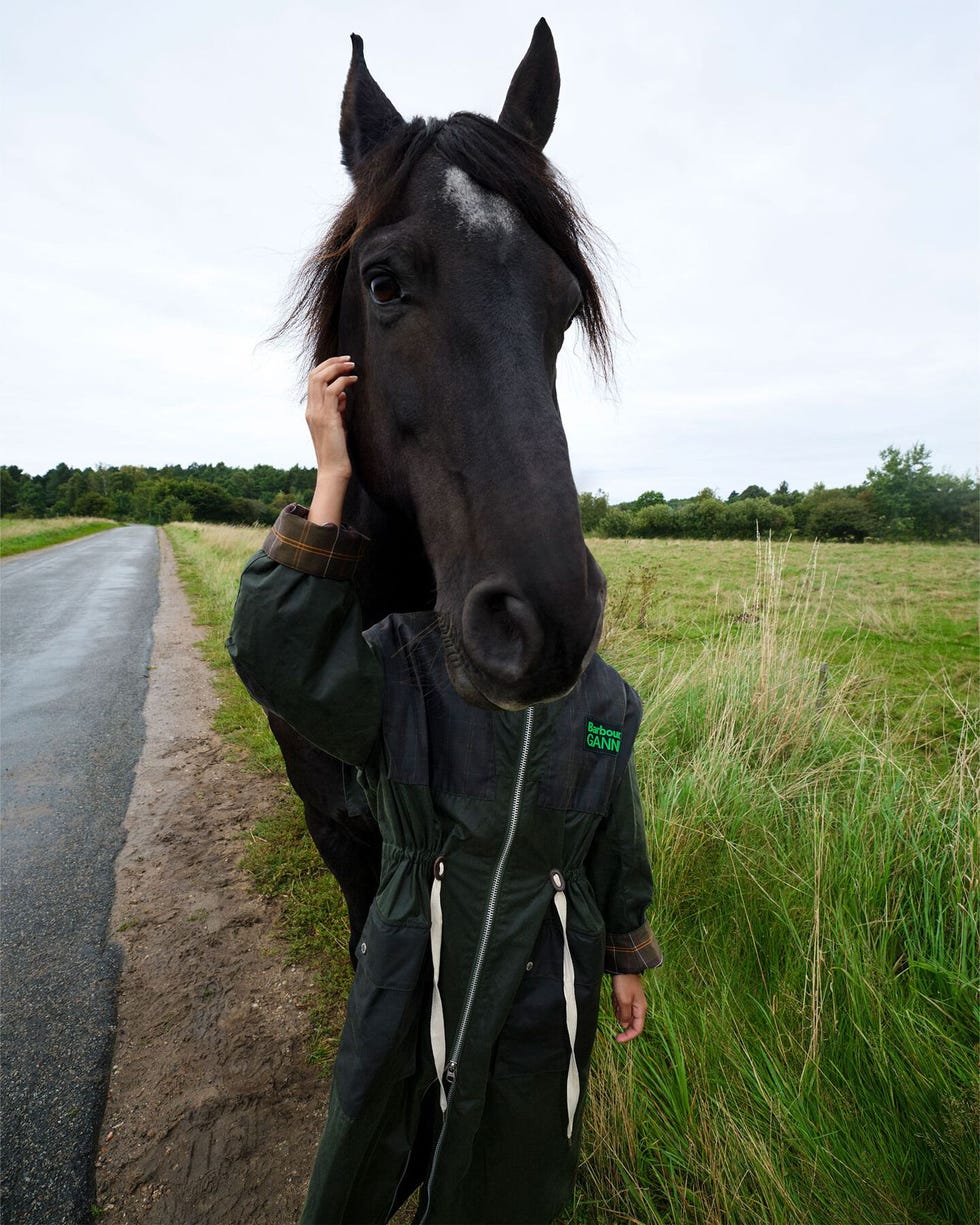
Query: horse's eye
{"x": 384, "y": 288}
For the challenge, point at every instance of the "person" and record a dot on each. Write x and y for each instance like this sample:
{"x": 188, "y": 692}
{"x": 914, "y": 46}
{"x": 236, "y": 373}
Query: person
{"x": 514, "y": 872}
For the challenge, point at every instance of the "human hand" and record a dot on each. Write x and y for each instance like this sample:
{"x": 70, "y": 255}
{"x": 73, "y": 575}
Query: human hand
{"x": 326, "y": 403}
{"x": 629, "y": 1004}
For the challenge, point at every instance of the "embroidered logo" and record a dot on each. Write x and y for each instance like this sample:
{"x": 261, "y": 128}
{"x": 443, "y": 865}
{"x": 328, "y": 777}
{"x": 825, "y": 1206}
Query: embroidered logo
{"x": 602, "y": 739}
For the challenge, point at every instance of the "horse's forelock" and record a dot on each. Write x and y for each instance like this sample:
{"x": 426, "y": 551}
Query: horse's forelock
{"x": 495, "y": 159}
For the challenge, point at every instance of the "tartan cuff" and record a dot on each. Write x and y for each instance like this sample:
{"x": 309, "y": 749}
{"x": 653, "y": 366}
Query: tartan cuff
{"x": 325, "y": 551}
{"x": 632, "y": 952}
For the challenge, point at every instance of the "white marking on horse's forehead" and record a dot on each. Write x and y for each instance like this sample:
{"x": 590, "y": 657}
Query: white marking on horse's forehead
{"x": 478, "y": 208}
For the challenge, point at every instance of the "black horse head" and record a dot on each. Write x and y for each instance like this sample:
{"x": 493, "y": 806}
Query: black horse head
{"x": 451, "y": 275}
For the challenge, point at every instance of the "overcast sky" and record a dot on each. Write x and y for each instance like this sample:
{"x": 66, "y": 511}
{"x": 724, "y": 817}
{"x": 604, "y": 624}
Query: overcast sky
{"x": 789, "y": 186}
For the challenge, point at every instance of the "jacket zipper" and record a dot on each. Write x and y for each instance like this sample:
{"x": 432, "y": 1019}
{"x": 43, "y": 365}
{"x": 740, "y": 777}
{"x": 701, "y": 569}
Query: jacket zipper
{"x": 452, "y": 1063}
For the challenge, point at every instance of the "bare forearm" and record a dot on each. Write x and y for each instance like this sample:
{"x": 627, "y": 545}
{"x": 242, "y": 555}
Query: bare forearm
{"x": 327, "y": 505}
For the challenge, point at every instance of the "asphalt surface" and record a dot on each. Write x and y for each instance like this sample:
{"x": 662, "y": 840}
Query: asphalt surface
{"x": 75, "y": 637}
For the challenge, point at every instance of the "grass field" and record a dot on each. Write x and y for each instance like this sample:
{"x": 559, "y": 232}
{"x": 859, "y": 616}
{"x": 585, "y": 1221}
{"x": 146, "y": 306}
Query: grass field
{"x": 809, "y": 762}
{"x": 22, "y": 535}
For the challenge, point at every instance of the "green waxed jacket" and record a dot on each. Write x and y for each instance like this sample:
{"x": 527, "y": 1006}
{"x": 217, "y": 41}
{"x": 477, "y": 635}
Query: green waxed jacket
{"x": 501, "y": 801}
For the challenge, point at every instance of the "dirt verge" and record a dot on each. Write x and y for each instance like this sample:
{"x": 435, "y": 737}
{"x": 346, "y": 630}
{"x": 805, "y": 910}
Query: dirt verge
{"x": 213, "y": 1112}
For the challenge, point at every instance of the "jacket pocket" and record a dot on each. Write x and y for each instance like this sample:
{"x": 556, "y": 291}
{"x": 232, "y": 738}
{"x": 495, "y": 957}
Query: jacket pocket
{"x": 379, "y": 1040}
{"x": 534, "y": 1037}
{"x": 588, "y": 951}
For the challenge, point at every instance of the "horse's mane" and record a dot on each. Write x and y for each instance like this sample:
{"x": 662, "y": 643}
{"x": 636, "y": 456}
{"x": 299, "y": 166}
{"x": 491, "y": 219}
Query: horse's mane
{"x": 494, "y": 158}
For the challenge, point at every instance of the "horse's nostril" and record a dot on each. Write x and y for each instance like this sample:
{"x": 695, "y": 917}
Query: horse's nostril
{"x": 501, "y": 631}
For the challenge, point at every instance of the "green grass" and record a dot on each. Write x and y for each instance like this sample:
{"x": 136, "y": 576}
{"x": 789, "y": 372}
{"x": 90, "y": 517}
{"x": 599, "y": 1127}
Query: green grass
{"x": 23, "y": 535}
{"x": 279, "y": 852}
{"x": 810, "y": 1052}
{"x": 812, "y": 1042}
{"x": 906, "y": 614}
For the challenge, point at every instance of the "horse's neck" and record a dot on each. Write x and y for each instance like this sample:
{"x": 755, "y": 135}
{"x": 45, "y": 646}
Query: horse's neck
{"x": 396, "y": 575}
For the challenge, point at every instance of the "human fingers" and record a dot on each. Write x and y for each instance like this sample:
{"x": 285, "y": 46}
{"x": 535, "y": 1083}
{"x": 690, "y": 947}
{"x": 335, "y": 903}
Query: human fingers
{"x": 633, "y": 1024}
{"x": 334, "y": 387}
{"x": 323, "y": 396}
{"x": 325, "y": 399}
{"x": 330, "y": 367}
{"x": 629, "y": 1004}
{"x": 327, "y": 364}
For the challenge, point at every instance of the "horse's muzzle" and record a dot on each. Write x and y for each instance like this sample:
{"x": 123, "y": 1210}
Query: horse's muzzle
{"x": 510, "y": 655}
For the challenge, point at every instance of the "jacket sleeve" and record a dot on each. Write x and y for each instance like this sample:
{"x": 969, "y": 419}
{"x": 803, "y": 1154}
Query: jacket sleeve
{"x": 618, "y": 868}
{"x": 296, "y": 639}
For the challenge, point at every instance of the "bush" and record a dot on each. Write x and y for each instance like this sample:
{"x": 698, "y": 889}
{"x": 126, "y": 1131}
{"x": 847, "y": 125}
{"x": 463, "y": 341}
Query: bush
{"x": 838, "y": 517}
{"x": 749, "y": 517}
{"x": 615, "y": 524}
{"x": 655, "y": 520}
{"x": 703, "y": 518}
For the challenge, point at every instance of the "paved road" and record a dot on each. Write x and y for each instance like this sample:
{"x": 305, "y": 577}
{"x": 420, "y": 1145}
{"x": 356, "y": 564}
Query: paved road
{"x": 75, "y": 642}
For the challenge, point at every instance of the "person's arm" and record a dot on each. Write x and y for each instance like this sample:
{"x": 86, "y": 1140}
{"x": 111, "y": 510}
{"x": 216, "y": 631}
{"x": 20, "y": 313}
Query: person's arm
{"x": 296, "y": 637}
{"x": 618, "y": 868}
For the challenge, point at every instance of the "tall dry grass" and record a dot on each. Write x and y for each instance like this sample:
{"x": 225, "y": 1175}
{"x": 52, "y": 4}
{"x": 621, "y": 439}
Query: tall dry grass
{"x": 810, "y": 1051}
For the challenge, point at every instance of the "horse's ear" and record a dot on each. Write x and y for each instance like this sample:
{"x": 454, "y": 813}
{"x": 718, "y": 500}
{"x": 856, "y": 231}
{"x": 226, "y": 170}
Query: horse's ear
{"x": 532, "y": 100}
{"x": 367, "y": 117}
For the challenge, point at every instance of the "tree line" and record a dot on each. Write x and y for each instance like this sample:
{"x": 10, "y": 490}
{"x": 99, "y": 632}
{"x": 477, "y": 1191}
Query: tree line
{"x": 902, "y": 498}
{"x": 209, "y": 493}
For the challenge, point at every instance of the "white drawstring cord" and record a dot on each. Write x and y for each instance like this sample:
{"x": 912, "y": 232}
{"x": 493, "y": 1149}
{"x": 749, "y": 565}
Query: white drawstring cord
{"x": 437, "y": 1020}
{"x": 572, "y": 1086}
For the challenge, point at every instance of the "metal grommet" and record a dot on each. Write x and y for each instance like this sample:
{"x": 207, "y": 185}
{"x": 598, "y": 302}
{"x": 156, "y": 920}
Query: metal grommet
{"x": 529, "y": 966}
{"x": 557, "y": 880}
{"x": 362, "y": 948}
{"x": 439, "y": 868}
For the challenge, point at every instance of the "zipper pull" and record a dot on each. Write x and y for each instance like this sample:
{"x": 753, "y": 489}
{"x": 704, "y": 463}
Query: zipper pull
{"x": 450, "y": 1074}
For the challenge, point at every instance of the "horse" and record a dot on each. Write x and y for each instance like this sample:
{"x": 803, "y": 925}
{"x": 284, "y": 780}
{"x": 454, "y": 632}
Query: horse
{"x": 452, "y": 274}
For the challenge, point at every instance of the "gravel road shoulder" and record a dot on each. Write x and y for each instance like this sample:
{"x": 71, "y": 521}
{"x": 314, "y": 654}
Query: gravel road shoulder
{"x": 213, "y": 1112}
